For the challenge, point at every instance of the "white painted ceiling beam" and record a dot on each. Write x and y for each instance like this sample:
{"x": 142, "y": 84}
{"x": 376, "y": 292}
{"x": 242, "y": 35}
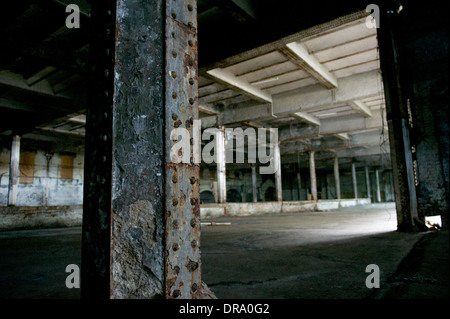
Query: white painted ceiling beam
{"x": 298, "y": 54}
{"x": 305, "y": 117}
{"x": 228, "y": 78}
{"x": 361, "y": 107}
{"x": 351, "y": 88}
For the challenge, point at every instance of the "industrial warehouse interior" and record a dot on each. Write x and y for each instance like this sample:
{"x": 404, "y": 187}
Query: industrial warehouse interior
{"x": 224, "y": 149}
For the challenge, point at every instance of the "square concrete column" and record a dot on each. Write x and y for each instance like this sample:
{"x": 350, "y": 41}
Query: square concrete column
{"x": 377, "y": 180}
{"x": 337, "y": 179}
{"x": 277, "y": 163}
{"x": 254, "y": 185}
{"x": 221, "y": 165}
{"x": 369, "y": 195}
{"x": 312, "y": 174}
{"x": 14, "y": 170}
{"x": 141, "y": 213}
{"x": 355, "y": 184}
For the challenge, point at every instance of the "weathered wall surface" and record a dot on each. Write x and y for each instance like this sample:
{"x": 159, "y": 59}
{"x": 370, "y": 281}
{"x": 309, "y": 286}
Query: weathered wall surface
{"x": 40, "y": 217}
{"x": 46, "y": 187}
{"x": 239, "y": 184}
{"x": 424, "y": 51}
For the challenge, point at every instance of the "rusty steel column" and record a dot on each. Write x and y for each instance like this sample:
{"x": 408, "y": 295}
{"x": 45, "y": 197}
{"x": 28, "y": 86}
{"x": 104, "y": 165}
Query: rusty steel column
{"x": 221, "y": 165}
{"x": 337, "y": 180}
{"x": 397, "y": 117}
{"x": 141, "y": 227}
{"x": 277, "y": 165}
{"x": 14, "y": 170}
{"x": 182, "y": 192}
{"x": 312, "y": 174}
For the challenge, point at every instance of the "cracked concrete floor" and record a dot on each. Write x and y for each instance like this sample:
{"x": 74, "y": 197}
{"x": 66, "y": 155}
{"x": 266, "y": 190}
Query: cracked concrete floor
{"x": 302, "y": 255}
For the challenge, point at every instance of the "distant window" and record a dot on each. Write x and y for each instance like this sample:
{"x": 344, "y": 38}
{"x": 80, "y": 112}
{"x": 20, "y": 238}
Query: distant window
{"x": 26, "y": 167}
{"x": 67, "y": 166}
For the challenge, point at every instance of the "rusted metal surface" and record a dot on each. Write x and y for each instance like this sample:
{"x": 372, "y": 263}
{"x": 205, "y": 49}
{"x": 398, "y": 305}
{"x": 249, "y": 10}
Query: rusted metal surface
{"x": 123, "y": 217}
{"x": 182, "y": 189}
{"x": 95, "y": 261}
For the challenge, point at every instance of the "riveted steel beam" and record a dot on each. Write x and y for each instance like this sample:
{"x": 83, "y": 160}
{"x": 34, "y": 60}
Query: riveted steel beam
{"x": 182, "y": 190}
{"x": 141, "y": 227}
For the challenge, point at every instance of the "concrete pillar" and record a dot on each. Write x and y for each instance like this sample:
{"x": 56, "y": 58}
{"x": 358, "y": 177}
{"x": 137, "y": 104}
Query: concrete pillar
{"x": 14, "y": 171}
{"x": 312, "y": 173}
{"x": 337, "y": 179}
{"x": 277, "y": 163}
{"x": 355, "y": 184}
{"x": 377, "y": 181}
{"x": 141, "y": 210}
{"x": 254, "y": 185}
{"x": 221, "y": 165}
{"x": 369, "y": 195}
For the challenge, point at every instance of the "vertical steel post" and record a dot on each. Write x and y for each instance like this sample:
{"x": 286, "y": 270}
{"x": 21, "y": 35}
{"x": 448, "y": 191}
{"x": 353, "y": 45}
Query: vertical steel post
{"x": 141, "y": 227}
{"x": 337, "y": 179}
{"x": 377, "y": 179}
{"x": 277, "y": 165}
{"x": 397, "y": 119}
{"x": 14, "y": 170}
{"x": 312, "y": 173}
{"x": 369, "y": 195}
{"x": 355, "y": 184}
{"x": 221, "y": 165}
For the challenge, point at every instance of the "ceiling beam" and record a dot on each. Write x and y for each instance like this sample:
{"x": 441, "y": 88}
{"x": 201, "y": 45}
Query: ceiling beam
{"x": 342, "y": 136}
{"x": 352, "y": 123}
{"x": 361, "y": 107}
{"x": 299, "y": 55}
{"x": 230, "y": 80}
{"x": 332, "y": 143}
{"x": 208, "y": 109}
{"x": 351, "y": 88}
{"x": 305, "y": 117}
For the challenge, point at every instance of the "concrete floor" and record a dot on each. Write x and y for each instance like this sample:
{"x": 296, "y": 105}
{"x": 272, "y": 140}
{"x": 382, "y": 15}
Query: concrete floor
{"x": 303, "y": 255}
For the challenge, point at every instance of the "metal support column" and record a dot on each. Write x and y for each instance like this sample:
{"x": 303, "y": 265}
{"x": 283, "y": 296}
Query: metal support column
{"x": 141, "y": 214}
{"x": 355, "y": 184}
{"x": 221, "y": 165}
{"x": 277, "y": 163}
{"x": 337, "y": 179}
{"x": 369, "y": 195}
{"x": 377, "y": 179}
{"x": 14, "y": 170}
{"x": 397, "y": 119}
{"x": 312, "y": 173}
